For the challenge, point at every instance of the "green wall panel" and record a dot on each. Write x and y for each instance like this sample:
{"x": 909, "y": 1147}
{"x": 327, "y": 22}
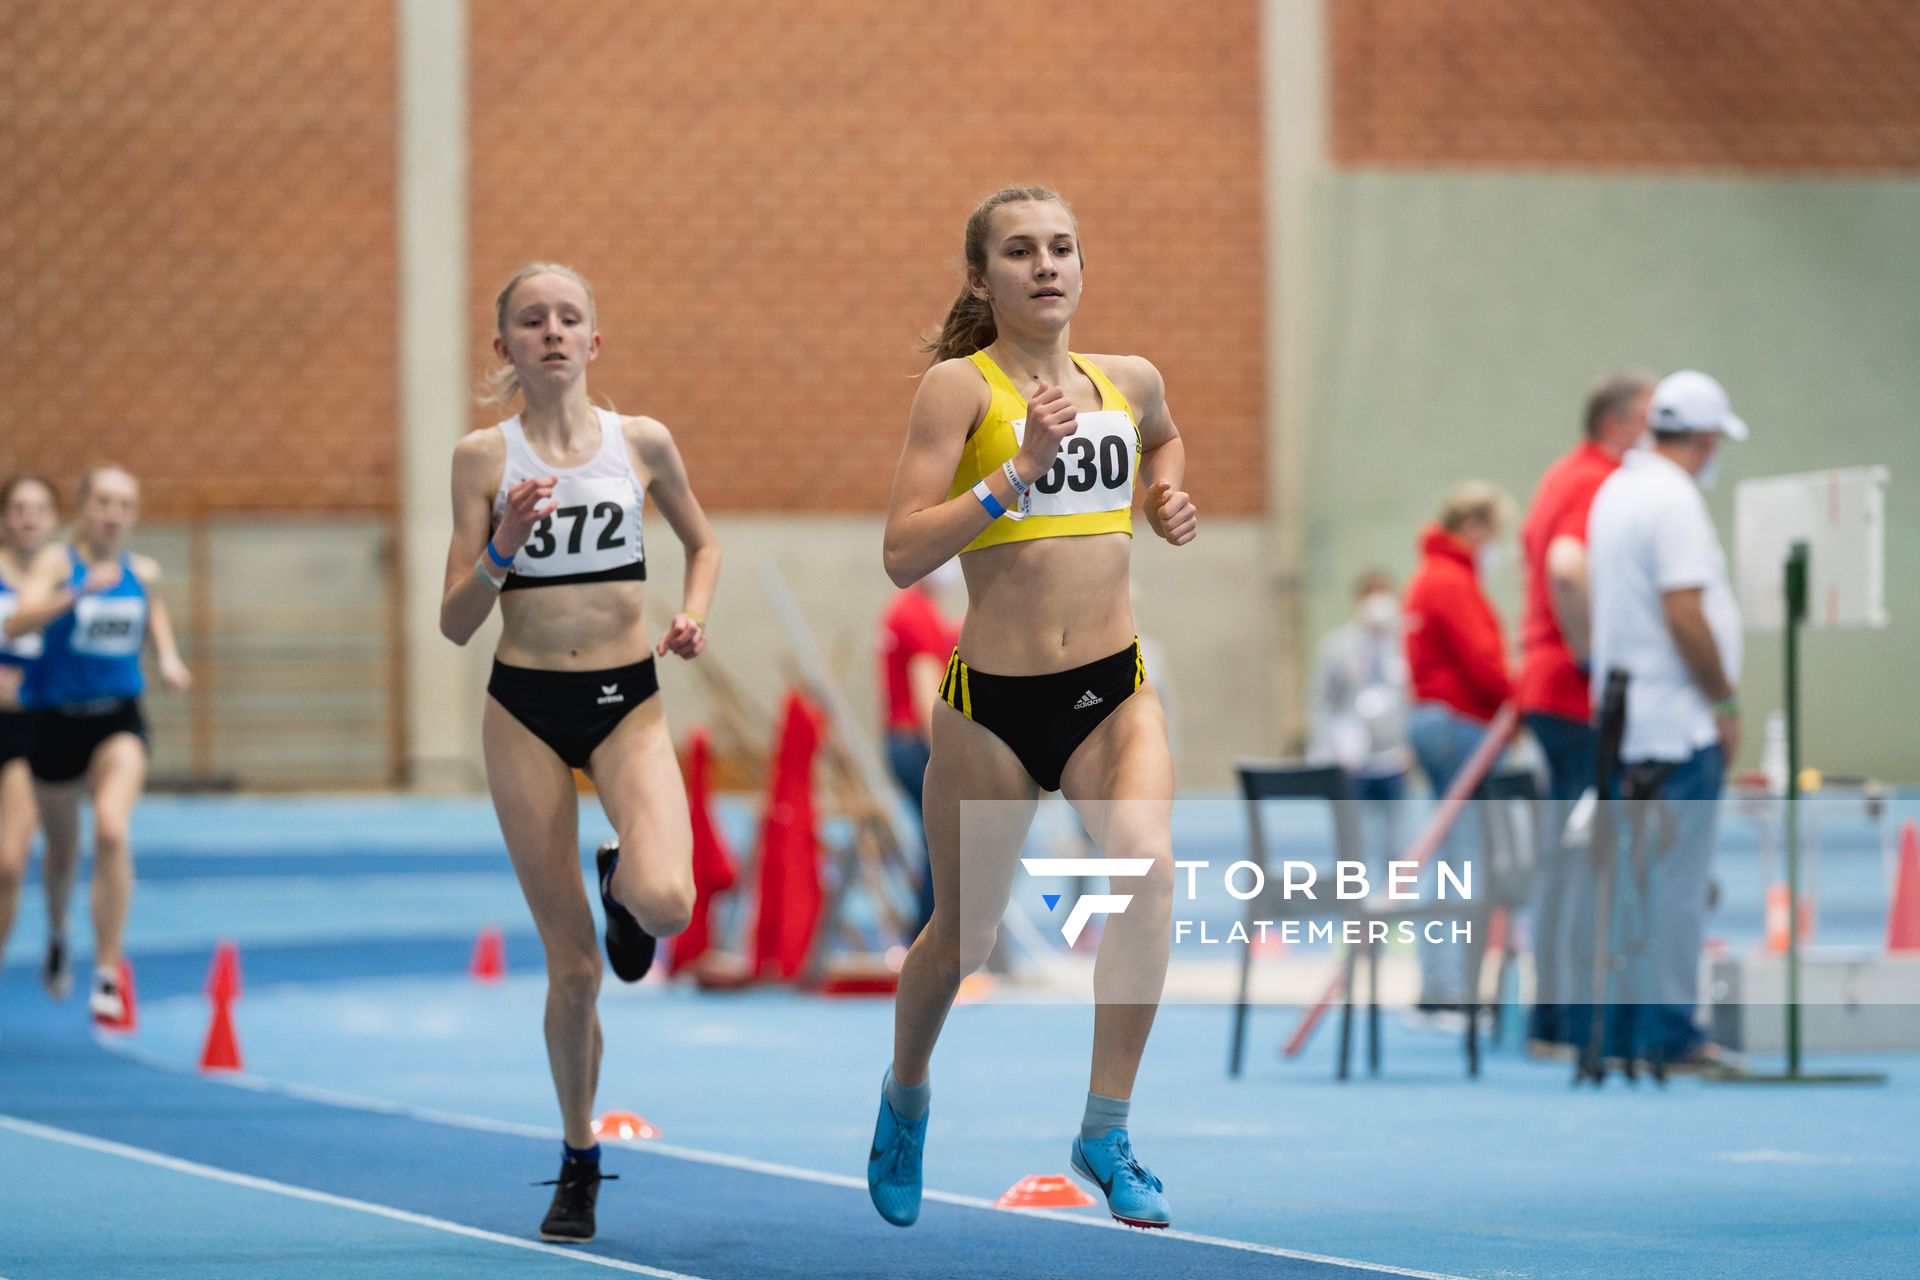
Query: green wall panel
{"x": 1460, "y": 319}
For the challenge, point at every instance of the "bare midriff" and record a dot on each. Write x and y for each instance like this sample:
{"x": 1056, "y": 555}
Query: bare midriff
{"x": 586, "y": 626}
{"x": 1048, "y": 605}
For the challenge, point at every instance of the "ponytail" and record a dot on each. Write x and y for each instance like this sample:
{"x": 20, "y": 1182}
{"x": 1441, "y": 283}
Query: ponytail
{"x": 969, "y": 328}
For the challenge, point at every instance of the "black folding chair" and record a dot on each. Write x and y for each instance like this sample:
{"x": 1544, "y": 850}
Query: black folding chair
{"x": 1261, "y": 781}
{"x": 1502, "y": 878}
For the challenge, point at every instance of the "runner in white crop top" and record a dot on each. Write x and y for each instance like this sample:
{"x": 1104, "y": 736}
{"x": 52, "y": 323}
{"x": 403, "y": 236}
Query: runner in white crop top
{"x": 552, "y": 498}
{"x": 593, "y": 534}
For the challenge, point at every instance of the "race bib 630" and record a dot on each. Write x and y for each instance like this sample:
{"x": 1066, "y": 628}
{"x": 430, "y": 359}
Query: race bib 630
{"x": 1093, "y": 473}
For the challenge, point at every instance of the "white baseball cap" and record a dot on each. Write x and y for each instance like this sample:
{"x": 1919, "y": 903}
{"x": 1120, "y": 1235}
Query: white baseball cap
{"x": 1693, "y": 401}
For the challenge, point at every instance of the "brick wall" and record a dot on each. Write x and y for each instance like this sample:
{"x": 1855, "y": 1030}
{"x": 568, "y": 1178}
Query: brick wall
{"x": 769, "y": 201}
{"x": 198, "y": 242}
{"x": 1774, "y": 85}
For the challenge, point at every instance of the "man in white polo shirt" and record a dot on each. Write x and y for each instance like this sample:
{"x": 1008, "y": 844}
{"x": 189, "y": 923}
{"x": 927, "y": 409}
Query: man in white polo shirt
{"x": 1664, "y": 612}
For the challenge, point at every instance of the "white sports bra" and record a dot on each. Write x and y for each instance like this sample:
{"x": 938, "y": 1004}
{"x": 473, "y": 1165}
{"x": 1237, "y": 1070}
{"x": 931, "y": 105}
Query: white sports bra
{"x": 593, "y": 534}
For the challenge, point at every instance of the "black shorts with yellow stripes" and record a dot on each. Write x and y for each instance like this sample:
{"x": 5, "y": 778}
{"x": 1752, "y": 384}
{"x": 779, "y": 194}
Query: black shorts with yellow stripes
{"x": 1044, "y": 719}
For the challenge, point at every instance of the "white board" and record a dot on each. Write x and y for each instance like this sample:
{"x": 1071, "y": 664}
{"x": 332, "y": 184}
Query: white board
{"x": 1842, "y": 517}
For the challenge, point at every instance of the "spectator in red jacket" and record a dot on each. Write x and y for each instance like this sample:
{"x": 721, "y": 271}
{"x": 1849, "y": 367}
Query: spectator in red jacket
{"x": 1457, "y": 663}
{"x": 1552, "y": 689}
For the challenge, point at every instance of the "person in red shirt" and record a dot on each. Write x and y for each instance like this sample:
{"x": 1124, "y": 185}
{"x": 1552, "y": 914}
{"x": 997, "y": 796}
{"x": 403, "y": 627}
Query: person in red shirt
{"x": 1552, "y": 691}
{"x": 1457, "y": 665}
{"x": 915, "y": 642}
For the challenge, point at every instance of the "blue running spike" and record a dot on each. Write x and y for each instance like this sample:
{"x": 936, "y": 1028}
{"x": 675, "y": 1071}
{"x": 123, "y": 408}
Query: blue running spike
{"x": 1134, "y": 1196}
{"x": 1051, "y": 899}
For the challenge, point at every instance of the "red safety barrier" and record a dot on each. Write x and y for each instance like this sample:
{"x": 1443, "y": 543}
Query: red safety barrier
{"x": 714, "y": 872}
{"x": 790, "y": 897}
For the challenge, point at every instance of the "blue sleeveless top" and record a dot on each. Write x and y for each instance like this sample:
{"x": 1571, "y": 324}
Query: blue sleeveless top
{"x": 92, "y": 651}
{"x": 18, "y": 652}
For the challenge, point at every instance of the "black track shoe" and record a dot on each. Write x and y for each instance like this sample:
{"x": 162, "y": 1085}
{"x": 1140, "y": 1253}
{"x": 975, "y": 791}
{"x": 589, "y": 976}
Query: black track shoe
{"x": 570, "y": 1217}
{"x": 629, "y": 947}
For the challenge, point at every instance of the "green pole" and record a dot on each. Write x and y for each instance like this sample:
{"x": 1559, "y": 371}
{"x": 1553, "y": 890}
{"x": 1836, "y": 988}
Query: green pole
{"x": 1796, "y": 613}
{"x": 1796, "y": 575}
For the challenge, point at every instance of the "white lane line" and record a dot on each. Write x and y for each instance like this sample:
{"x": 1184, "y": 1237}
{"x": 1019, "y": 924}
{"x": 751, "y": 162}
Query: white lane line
{"x": 32, "y": 1130}
{"x": 482, "y": 1124}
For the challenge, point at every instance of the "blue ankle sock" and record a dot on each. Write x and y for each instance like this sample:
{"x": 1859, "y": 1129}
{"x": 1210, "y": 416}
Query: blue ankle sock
{"x": 909, "y": 1102}
{"x": 574, "y": 1155}
{"x": 1103, "y": 1115}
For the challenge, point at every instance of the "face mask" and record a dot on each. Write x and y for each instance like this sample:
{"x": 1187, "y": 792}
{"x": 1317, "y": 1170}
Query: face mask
{"x": 1709, "y": 475}
{"x": 1380, "y": 612}
{"x": 1490, "y": 557}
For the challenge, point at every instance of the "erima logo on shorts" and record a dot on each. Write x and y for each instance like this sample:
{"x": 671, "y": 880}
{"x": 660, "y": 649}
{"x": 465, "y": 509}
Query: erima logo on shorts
{"x": 610, "y": 694}
{"x": 1088, "y": 904}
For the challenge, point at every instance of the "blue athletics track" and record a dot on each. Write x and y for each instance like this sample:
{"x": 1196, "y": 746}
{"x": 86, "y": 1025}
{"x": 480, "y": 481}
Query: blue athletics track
{"x": 393, "y": 1112}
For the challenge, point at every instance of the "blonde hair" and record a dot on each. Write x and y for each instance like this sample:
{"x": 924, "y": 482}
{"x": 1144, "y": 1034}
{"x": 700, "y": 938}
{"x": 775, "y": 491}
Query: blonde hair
{"x": 503, "y": 384}
{"x": 1476, "y": 499}
{"x": 93, "y": 473}
{"x": 969, "y": 325}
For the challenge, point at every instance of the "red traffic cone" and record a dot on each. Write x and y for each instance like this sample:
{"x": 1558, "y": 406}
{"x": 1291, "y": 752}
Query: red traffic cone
{"x": 223, "y": 978}
{"x": 489, "y": 955}
{"x": 1903, "y": 916}
{"x": 129, "y": 1020}
{"x": 222, "y": 1050}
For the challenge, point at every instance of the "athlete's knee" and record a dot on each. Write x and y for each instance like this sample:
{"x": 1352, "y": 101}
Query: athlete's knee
{"x": 973, "y": 947}
{"x": 946, "y": 953}
{"x": 663, "y": 907}
{"x": 1152, "y": 892}
{"x": 574, "y": 975}
{"x": 110, "y": 836}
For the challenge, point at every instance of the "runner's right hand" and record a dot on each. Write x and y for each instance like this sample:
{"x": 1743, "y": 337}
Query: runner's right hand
{"x": 1051, "y": 418}
{"x": 101, "y": 577}
{"x": 528, "y": 503}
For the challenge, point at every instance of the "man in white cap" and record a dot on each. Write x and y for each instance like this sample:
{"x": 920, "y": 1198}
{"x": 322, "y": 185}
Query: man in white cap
{"x": 1664, "y": 612}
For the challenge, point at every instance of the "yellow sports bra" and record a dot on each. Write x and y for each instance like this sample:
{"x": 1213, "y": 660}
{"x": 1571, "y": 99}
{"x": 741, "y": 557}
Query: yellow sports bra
{"x": 1090, "y": 486}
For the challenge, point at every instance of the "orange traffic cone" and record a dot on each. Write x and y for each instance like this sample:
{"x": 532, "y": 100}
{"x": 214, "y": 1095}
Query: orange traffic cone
{"x": 222, "y": 1049}
{"x": 489, "y": 962}
{"x": 129, "y": 1020}
{"x": 1777, "y": 918}
{"x": 1043, "y": 1191}
{"x": 1903, "y": 916}
{"x": 625, "y": 1126}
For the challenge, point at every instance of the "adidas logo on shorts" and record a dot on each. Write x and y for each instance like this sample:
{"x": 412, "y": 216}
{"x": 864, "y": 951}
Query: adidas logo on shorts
{"x": 1087, "y": 699}
{"x": 610, "y": 694}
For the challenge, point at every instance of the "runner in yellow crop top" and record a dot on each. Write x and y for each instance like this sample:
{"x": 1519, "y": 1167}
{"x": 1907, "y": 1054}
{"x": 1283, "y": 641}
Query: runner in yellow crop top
{"x": 1022, "y": 458}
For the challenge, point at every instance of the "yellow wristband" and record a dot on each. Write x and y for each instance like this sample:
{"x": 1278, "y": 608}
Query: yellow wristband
{"x": 698, "y": 619}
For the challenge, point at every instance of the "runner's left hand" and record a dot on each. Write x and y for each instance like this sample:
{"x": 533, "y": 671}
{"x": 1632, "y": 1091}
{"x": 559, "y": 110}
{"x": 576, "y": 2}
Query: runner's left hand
{"x": 686, "y": 637}
{"x": 1172, "y": 515}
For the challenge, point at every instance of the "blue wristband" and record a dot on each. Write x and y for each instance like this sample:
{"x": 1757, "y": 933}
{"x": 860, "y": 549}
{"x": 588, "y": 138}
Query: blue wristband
{"x": 987, "y": 500}
{"x": 495, "y": 556}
